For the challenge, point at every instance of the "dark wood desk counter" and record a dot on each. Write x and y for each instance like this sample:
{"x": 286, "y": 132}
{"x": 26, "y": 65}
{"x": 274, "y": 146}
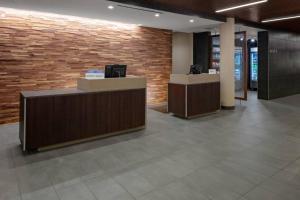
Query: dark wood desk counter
{"x": 193, "y": 95}
{"x": 54, "y": 118}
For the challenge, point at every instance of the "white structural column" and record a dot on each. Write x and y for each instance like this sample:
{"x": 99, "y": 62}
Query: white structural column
{"x": 227, "y": 63}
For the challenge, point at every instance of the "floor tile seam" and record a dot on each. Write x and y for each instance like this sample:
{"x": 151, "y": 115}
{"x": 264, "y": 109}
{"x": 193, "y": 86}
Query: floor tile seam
{"x": 276, "y": 169}
{"x": 173, "y": 177}
{"x": 142, "y": 163}
{"x": 19, "y": 190}
{"x": 19, "y": 186}
{"x": 293, "y": 136}
{"x": 88, "y": 188}
{"x": 270, "y": 177}
{"x": 53, "y": 185}
{"x": 13, "y": 158}
{"x": 254, "y": 185}
{"x": 56, "y": 193}
{"x": 211, "y": 198}
{"x": 267, "y": 129}
{"x": 271, "y": 155}
{"x": 110, "y": 174}
{"x": 264, "y": 189}
{"x": 164, "y": 185}
{"x": 204, "y": 188}
{"x": 117, "y": 182}
{"x": 289, "y": 164}
{"x": 251, "y": 170}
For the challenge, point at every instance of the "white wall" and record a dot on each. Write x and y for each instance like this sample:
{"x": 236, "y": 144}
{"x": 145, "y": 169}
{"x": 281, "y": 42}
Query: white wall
{"x": 182, "y": 52}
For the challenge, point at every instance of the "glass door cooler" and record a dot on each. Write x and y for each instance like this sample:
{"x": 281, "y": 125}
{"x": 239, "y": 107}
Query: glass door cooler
{"x": 253, "y": 68}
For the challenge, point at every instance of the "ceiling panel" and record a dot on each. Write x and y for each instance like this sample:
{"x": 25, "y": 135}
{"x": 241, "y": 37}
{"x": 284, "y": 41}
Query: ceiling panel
{"x": 98, "y": 9}
{"x": 207, "y": 8}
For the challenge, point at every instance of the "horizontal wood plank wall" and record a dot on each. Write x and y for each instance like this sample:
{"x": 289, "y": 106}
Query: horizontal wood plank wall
{"x": 39, "y": 53}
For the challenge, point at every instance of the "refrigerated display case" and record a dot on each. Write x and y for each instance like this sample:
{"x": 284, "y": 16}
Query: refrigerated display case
{"x": 241, "y": 64}
{"x": 216, "y": 53}
{"x": 253, "y": 68}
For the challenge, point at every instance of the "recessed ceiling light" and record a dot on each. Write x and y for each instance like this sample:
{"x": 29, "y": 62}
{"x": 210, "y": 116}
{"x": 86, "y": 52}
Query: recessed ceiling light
{"x": 280, "y": 19}
{"x": 252, "y": 40}
{"x": 157, "y": 15}
{"x": 192, "y": 20}
{"x": 242, "y": 39}
{"x": 110, "y": 7}
{"x": 241, "y": 6}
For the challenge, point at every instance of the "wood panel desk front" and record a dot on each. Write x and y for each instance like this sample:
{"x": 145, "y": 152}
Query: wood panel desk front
{"x": 55, "y": 118}
{"x": 193, "y": 95}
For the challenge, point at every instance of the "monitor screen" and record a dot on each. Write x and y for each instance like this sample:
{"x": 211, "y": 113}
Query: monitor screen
{"x": 196, "y": 69}
{"x": 115, "y": 71}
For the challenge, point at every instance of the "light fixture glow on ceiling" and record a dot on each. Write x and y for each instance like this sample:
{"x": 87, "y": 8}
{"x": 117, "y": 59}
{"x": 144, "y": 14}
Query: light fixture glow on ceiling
{"x": 280, "y": 19}
{"x": 156, "y": 15}
{"x": 192, "y": 20}
{"x": 64, "y": 18}
{"x": 111, "y": 7}
{"x": 241, "y": 6}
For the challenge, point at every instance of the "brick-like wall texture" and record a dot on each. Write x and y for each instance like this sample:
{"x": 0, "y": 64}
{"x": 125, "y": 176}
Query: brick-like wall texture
{"x": 38, "y": 53}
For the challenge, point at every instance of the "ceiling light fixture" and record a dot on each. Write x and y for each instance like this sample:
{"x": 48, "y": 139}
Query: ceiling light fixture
{"x": 280, "y": 19}
{"x": 192, "y": 20}
{"x": 110, "y": 7}
{"x": 241, "y": 6}
{"x": 157, "y": 15}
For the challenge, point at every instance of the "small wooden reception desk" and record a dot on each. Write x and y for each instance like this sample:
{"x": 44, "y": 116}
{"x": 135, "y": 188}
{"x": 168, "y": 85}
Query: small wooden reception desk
{"x": 193, "y": 95}
{"x": 95, "y": 109}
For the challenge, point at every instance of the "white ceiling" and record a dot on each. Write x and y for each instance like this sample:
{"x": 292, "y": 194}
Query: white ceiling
{"x": 97, "y": 9}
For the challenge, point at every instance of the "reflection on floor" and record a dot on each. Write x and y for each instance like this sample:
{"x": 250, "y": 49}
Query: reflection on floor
{"x": 252, "y": 153}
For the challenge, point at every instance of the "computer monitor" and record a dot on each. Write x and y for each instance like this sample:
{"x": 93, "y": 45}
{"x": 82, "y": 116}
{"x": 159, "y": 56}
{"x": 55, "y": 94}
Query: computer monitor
{"x": 196, "y": 69}
{"x": 115, "y": 71}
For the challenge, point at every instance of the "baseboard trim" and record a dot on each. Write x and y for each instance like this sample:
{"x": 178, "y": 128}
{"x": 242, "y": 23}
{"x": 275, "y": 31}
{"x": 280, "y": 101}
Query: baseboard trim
{"x": 228, "y": 107}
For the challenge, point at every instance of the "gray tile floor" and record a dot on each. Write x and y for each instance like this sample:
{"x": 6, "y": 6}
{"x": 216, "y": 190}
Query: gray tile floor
{"x": 252, "y": 153}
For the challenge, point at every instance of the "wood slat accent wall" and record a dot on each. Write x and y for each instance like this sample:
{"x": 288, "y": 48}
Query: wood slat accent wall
{"x": 39, "y": 53}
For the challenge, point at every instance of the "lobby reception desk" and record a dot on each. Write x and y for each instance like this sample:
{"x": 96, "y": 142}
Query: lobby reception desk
{"x": 193, "y": 95}
{"x": 95, "y": 109}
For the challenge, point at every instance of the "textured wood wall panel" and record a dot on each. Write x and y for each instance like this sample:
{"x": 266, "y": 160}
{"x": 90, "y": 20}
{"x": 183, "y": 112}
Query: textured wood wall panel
{"x": 39, "y": 53}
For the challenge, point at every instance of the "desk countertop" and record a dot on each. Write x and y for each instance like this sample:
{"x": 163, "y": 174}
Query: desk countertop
{"x": 194, "y": 78}
{"x": 111, "y": 84}
{"x": 40, "y": 93}
{"x": 90, "y": 86}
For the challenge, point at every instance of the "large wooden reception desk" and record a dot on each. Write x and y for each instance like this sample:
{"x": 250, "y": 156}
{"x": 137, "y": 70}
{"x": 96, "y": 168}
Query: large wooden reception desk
{"x": 193, "y": 95}
{"x": 96, "y": 109}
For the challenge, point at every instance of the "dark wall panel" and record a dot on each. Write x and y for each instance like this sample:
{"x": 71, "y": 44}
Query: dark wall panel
{"x": 263, "y": 69}
{"x": 283, "y": 60}
{"x": 202, "y": 50}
